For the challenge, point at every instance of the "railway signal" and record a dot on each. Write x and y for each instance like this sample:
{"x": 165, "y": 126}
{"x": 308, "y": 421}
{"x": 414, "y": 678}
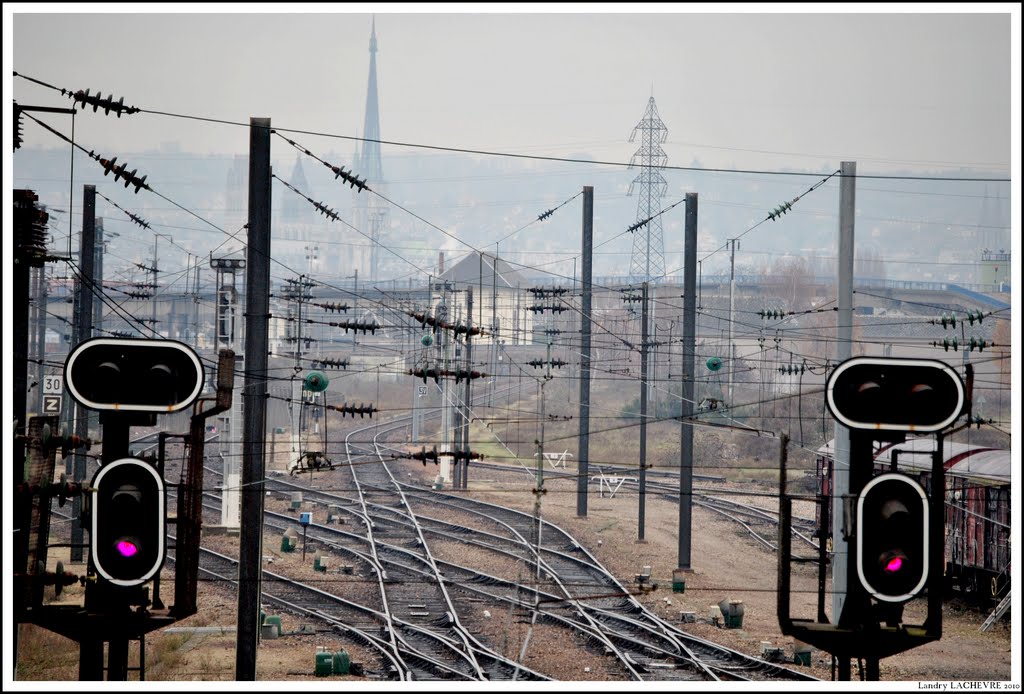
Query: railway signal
{"x": 892, "y": 538}
{"x": 895, "y": 395}
{"x": 315, "y": 382}
{"x": 128, "y": 522}
{"x": 128, "y": 375}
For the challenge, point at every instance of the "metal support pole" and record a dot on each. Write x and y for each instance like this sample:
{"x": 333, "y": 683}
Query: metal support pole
{"x": 844, "y": 337}
{"x": 83, "y": 331}
{"x": 643, "y": 415}
{"x": 539, "y": 491}
{"x": 583, "y": 455}
{"x": 42, "y": 294}
{"x": 257, "y": 312}
{"x": 355, "y": 305}
{"x": 100, "y": 248}
{"x": 195, "y": 306}
{"x": 689, "y": 347}
{"x": 732, "y": 317}
{"x": 154, "y": 270}
{"x": 469, "y": 389}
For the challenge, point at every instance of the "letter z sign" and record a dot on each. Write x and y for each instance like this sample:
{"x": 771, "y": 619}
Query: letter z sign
{"x": 53, "y": 386}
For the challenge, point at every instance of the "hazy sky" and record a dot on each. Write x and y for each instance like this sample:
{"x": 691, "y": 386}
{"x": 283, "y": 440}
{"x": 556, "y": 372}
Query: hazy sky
{"x": 735, "y": 87}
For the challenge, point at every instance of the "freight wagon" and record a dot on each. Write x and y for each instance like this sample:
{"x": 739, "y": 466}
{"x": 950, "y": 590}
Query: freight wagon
{"x": 976, "y": 504}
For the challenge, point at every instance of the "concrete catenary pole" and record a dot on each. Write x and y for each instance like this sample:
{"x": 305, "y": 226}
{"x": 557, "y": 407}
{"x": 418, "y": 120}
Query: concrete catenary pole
{"x": 468, "y": 402}
{"x": 689, "y": 347}
{"x": 844, "y": 339}
{"x": 583, "y": 455}
{"x": 732, "y": 317}
{"x": 41, "y": 305}
{"x": 100, "y": 247}
{"x": 83, "y": 331}
{"x": 257, "y": 310}
{"x": 643, "y": 416}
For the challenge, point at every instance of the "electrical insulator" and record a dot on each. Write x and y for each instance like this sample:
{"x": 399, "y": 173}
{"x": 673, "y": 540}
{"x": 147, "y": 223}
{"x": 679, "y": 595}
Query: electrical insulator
{"x": 463, "y": 456}
{"x": 545, "y": 215}
{"x": 779, "y": 211}
{"x": 108, "y": 104}
{"x": 138, "y": 220}
{"x": 17, "y": 126}
{"x": 424, "y": 455}
{"x": 326, "y": 211}
{"x": 356, "y": 326}
{"x": 637, "y": 225}
{"x": 550, "y": 291}
{"x": 67, "y": 442}
{"x": 339, "y": 172}
{"x": 539, "y": 308}
{"x": 425, "y": 374}
{"x": 461, "y": 374}
{"x": 130, "y": 179}
{"x": 947, "y": 343}
{"x": 327, "y": 363}
{"x": 557, "y": 363}
{"x": 463, "y": 330}
{"x": 979, "y": 343}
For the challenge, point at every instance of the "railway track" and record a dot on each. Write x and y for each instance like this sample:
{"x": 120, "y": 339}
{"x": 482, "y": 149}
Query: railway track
{"x": 397, "y": 527}
{"x": 423, "y": 616}
{"x": 760, "y": 523}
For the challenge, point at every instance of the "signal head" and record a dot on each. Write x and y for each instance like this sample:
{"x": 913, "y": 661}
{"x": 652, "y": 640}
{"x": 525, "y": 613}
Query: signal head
{"x": 892, "y": 538}
{"x": 901, "y": 395}
{"x": 133, "y": 375}
{"x": 126, "y": 538}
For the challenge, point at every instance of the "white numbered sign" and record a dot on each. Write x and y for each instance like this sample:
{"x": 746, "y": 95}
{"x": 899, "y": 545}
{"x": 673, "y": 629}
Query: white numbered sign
{"x": 53, "y": 384}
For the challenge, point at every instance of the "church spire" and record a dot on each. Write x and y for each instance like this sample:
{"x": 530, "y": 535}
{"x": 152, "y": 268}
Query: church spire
{"x": 369, "y": 161}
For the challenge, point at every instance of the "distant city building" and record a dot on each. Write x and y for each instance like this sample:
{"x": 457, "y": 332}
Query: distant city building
{"x": 499, "y": 307}
{"x": 995, "y": 269}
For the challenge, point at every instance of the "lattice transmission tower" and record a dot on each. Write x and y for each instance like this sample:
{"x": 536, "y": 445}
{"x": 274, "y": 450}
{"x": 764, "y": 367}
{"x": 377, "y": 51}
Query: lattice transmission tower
{"x": 648, "y": 260}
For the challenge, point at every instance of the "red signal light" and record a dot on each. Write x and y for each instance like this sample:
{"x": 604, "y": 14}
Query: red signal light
{"x": 894, "y": 564}
{"x": 127, "y": 548}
